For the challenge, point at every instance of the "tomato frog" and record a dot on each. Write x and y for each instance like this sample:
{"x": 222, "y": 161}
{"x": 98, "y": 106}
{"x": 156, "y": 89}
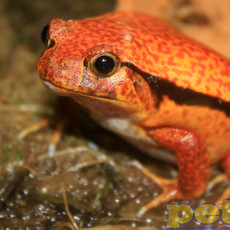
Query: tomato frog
{"x": 139, "y": 77}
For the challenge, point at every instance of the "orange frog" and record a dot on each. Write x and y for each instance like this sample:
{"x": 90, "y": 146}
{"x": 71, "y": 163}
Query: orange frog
{"x": 158, "y": 89}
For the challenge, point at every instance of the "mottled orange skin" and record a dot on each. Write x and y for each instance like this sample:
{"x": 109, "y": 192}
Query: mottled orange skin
{"x": 196, "y": 135}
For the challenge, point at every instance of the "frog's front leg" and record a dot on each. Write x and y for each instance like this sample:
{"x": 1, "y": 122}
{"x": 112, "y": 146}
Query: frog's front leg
{"x": 193, "y": 164}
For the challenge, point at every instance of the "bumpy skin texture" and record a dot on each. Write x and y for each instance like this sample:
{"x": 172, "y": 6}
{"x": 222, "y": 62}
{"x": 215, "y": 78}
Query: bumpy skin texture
{"x": 131, "y": 103}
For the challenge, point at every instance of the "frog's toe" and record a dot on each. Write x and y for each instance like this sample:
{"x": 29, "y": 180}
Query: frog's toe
{"x": 218, "y": 179}
{"x": 55, "y": 139}
{"x": 40, "y": 125}
{"x": 170, "y": 192}
{"x": 33, "y": 128}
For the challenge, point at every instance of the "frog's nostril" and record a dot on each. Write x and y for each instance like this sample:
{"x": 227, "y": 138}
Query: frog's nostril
{"x": 44, "y": 35}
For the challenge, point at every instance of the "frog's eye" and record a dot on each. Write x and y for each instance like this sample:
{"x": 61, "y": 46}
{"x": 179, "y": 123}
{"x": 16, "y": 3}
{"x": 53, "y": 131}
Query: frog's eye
{"x": 45, "y": 37}
{"x": 104, "y": 65}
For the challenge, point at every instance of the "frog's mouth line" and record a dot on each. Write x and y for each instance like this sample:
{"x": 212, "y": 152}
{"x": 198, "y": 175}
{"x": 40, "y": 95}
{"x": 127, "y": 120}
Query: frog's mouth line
{"x": 68, "y": 92}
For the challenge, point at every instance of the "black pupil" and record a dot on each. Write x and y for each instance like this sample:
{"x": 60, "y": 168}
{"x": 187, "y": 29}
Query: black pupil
{"x": 104, "y": 64}
{"x": 44, "y": 35}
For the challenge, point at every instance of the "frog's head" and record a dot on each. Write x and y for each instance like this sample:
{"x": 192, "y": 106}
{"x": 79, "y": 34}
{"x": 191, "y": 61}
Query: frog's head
{"x": 92, "y": 59}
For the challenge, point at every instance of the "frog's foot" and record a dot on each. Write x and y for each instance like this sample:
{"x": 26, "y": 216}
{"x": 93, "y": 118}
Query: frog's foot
{"x": 193, "y": 164}
{"x": 40, "y": 125}
{"x": 170, "y": 190}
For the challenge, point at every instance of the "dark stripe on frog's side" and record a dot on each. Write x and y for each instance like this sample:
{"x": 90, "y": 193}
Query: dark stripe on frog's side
{"x": 180, "y": 95}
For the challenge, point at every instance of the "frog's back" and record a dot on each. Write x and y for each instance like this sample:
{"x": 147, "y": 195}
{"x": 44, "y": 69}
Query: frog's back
{"x": 170, "y": 55}
{"x": 163, "y": 51}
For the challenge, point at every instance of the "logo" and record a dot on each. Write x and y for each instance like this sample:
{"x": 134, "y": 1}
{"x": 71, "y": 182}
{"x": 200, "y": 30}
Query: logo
{"x": 183, "y": 216}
